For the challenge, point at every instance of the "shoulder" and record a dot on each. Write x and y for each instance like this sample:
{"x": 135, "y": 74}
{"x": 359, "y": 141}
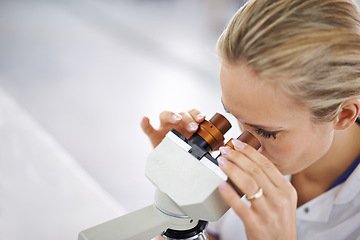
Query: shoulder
{"x": 334, "y": 214}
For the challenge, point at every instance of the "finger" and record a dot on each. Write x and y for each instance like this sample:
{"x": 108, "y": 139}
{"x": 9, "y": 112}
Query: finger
{"x": 197, "y": 115}
{"x": 239, "y": 177}
{"x": 265, "y": 164}
{"x": 168, "y": 117}
{"x": 247, "y": 185}
{"x": 149, "y": 130}
{"x": 188, "y": 122}
{"x": 183, "y": 120}
{"x": 248, "y": 166}
{"x": 233, "y": 200}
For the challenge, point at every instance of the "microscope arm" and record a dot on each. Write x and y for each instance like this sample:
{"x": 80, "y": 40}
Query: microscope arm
{"x": 143, "y": 224}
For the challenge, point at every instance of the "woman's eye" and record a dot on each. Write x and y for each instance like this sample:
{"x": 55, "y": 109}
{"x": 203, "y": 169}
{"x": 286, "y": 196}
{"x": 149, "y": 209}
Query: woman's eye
{"x": 265, "y": 134}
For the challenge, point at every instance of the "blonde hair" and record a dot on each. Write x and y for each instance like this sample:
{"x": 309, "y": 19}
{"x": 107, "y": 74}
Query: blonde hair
{"x": 310, "y": 47}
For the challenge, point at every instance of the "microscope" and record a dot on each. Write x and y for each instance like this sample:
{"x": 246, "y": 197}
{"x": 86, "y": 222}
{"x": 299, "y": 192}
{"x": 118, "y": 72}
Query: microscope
{"x": 186, "y": 177}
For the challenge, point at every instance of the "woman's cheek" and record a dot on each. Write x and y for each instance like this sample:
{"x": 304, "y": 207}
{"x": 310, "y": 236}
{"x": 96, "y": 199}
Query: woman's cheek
{"x": 279, "y": 153}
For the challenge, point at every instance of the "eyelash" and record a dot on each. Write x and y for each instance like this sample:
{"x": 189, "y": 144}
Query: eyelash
{"x": 266, "y": 134}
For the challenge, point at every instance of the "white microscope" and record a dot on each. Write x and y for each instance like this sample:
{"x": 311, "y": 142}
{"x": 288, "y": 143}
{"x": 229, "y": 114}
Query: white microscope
{"x": 186, "y": 177}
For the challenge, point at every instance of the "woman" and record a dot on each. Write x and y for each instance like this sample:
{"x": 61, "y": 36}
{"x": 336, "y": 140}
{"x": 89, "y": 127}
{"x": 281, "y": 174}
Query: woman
{"x": 290, "y": 74}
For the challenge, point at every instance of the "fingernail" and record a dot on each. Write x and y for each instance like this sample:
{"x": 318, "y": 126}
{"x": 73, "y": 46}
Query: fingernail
{"x": 192, "y": 126}
{"x": 176, "y": 117}
{"x": 223, "y": 187}
{"x": 222, "y": 161}
{"x": 225, "y": 150}
{"x": 199, "y": 116}
{"x": 239, "y": 145}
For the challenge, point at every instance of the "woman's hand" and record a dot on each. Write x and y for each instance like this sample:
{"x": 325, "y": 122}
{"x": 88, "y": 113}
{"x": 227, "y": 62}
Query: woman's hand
{"x": 185, "y": 123}
{"x": 272, "y": 213}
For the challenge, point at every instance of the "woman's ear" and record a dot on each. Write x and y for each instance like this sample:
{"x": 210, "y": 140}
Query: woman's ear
{"x": 348, "y": 114}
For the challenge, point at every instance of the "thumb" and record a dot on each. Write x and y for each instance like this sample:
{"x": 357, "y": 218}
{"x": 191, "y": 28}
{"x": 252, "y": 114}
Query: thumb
{"x": 147, "y": 127}
{"x": 151, "y": 132}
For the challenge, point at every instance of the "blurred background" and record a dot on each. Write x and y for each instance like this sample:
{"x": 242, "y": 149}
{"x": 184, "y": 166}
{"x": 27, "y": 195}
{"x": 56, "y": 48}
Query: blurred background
{"x": 76, "y": 78}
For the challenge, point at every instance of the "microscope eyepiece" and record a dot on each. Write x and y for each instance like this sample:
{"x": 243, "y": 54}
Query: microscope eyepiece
{"x": 210, "y": 134}
{"x": 245, "y": 137}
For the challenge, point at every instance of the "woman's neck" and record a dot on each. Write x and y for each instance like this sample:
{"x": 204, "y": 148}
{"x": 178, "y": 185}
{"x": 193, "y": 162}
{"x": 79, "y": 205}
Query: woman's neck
{"x": 317, "y": 178}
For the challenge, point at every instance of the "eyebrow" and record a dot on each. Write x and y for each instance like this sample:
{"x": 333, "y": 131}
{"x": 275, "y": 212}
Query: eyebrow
{"x": 268, "y": 129}
{"x": 251, "y": 125}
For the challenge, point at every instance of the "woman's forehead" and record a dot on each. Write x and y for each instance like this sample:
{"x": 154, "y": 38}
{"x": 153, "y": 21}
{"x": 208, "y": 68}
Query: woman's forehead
{"x": 248, "y": 97}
